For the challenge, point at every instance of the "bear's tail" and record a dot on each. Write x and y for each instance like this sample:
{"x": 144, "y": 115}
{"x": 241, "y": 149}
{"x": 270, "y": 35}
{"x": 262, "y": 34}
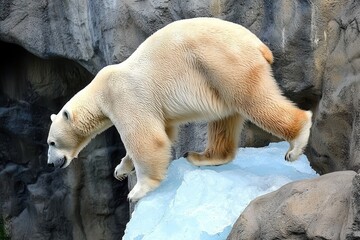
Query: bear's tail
{"x": 267, "y": 54}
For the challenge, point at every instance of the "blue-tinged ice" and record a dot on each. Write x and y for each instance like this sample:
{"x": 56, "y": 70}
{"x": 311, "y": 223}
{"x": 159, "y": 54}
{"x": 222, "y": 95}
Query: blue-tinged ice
{"x": 204, "y": 202}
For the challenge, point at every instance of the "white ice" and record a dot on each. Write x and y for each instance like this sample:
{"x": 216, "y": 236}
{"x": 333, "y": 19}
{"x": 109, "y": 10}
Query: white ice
{"x": 204, "y": 202}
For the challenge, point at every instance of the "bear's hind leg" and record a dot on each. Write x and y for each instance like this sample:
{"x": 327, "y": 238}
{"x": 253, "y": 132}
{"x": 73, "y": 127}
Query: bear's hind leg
{"x": 124, "y": 168}
{"x": 223, "y": 136}
{"x": 151, "y": 157}
{"x": 298, "y": 144}
{"x": 270, "y": 110}
{"x": 285, "y": 121}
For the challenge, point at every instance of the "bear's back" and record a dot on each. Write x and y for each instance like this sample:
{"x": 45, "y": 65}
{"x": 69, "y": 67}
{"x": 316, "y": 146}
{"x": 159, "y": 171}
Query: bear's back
{"x": 203, "y": 31}
{"x": 205, "y": 27}
{"x": 198, "y": 35}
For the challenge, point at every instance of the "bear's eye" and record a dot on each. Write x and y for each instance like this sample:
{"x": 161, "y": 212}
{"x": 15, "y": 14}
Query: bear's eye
{"x": 52, "y": 143}
{"x": 66, "y": 115}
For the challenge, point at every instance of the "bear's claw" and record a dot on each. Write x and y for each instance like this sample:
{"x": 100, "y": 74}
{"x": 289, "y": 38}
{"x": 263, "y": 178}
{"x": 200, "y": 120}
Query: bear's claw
{"x": 120, "y": 177}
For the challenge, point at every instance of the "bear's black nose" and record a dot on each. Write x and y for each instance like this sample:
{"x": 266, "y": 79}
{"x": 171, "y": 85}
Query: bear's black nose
{"x": 51, "y": 166}
{"x": 58, "y": 163}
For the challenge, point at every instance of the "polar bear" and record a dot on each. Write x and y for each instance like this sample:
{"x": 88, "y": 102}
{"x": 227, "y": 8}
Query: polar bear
{"x": 195, "y": 69}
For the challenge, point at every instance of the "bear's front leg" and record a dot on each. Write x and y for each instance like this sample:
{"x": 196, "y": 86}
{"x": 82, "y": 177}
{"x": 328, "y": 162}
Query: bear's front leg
{"x": 125, "y": 167}
{"x": 150, "y": 149}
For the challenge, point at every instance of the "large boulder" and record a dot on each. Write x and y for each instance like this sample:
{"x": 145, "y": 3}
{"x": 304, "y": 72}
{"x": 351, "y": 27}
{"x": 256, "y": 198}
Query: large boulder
{"x": 323, "y": 208}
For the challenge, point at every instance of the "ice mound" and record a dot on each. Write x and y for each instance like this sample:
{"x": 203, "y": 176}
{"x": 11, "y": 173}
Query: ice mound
{"x": 204, "y": 202}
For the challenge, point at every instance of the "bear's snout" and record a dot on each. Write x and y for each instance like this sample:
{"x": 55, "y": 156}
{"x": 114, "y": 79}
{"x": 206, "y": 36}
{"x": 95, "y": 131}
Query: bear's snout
{"x": 58, "y": 163}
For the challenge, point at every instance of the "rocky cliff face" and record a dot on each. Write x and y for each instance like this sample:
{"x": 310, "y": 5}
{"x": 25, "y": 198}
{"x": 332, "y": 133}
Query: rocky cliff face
{"x": 315, "y": 44}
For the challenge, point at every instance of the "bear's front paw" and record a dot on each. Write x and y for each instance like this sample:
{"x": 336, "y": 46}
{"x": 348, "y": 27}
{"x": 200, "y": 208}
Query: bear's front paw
{"x": 122, "y": 171}
{"x": 118, "y": 176}
{"x": 135, "y": 194}
{"x": 142, "y": 187}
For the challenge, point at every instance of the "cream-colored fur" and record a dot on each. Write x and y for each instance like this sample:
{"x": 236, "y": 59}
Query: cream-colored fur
{"x": 195, "y": 69}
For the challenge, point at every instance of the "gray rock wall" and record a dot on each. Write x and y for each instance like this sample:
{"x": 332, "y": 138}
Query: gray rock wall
{"x": 334, "y": 143}
{"x": 315, "y": 44}
{"x": 83, "y": 202}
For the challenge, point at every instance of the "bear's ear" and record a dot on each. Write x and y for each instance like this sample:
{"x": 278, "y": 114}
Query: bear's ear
{"x": 52, "y": 117}
{"x": 66, "y": 114}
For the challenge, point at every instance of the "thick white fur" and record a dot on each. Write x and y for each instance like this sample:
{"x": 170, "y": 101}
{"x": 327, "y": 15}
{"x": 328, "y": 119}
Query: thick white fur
{"x": 195, "y": 69}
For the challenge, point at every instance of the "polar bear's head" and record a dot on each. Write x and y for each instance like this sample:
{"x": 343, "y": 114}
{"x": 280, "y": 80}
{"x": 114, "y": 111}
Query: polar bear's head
{"x": 65, "y": 140}
{"x": 80, "y": 120}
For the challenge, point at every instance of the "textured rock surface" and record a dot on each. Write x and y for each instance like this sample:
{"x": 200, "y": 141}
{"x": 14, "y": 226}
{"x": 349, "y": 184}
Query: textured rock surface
{"x": 81, "y": 202}
{"x": 321, "y": 208}
{"x": 353, "y": 231}
{"x": 335, "y": 140}
{"x": 315, "y": 44}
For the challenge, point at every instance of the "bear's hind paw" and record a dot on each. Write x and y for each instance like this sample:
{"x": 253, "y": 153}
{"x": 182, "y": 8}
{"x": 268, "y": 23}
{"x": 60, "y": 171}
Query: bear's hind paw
{"x": 293, "y": 155}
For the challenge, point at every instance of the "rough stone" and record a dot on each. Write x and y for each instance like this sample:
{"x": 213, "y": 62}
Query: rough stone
{"x": 353, "y": 224}
{"x": 36, "y": 202}
{"x": 335, "y": 139}
{"x": 321, "y": 208}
